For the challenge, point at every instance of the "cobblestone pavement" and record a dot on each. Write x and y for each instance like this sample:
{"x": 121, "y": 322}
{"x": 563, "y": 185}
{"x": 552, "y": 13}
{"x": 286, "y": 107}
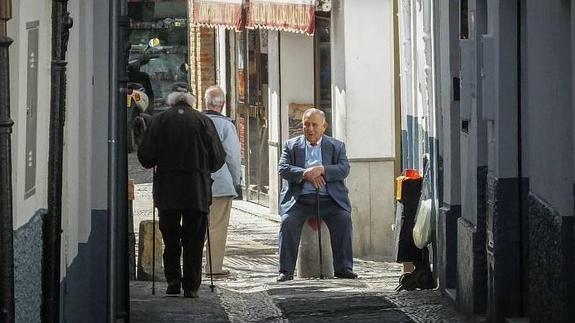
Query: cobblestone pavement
{"x": 159, "y": 308}
{"x": 136, "y": 172}
{"x": 251, "y": 294}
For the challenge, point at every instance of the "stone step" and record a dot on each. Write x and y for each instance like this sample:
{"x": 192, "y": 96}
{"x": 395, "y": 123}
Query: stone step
{"x": 308, "y": 254}
{"x": 145, "y": 247}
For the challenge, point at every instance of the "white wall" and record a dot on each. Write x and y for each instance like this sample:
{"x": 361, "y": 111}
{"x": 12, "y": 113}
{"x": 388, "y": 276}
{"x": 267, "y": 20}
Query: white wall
{"x": 85, "y": 147}
{"x": 364, "y": 118}
{"x": 99, "y": 111}
{"x": 76, "y": 203}
{"x": 296, "y": 73}
{"x": 27, "y": 11}
{"x": 76, "y": 200}
{"x": 368, "y": 32}
{"x": 338, "y": 91}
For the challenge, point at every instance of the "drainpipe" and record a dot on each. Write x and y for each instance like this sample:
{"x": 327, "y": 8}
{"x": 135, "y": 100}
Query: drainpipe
{"x": 118, "y": 269}
{"x": 52, "y": 226}
{"x": 6, "y": 226}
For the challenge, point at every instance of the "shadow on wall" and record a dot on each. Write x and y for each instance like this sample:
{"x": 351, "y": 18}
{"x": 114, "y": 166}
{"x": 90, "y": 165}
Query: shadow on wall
{"x": 84, "y": 287}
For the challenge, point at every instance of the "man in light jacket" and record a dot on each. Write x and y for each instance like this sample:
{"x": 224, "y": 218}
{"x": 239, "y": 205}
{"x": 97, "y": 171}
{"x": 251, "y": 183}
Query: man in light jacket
{"x": 226, "y": 179}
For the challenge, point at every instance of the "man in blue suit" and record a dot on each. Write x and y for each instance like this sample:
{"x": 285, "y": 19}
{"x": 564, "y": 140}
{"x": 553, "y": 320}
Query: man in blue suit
{"x": 315, "y": 164}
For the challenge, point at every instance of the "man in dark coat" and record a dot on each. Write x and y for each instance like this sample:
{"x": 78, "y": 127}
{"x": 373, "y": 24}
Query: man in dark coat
{"x": 185, "y": 148}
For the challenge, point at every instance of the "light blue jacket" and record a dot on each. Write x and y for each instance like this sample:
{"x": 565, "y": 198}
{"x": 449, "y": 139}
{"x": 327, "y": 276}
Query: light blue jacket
{"x": 227, "y": 177}
{"x": 292, "y": 166}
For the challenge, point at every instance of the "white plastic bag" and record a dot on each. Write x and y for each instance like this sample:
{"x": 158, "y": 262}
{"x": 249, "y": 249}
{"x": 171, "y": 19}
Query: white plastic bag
{"x": 422, "y": 227}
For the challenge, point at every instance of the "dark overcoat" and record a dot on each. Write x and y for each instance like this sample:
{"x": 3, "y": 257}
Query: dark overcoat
{"x": 185, "y": 148}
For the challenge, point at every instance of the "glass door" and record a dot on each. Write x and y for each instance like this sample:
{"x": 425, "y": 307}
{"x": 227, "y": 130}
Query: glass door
{"x": 252, "y": 113}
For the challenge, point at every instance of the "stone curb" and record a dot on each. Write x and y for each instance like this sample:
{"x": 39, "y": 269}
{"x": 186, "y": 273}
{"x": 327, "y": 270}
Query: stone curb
{"x": 255, "y": 209}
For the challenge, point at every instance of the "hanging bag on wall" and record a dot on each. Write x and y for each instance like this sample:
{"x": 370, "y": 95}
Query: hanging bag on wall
{"x": 422, "y": 228}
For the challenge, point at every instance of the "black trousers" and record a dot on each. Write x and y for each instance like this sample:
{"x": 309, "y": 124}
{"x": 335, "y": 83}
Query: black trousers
{"x": 188, "y": 236}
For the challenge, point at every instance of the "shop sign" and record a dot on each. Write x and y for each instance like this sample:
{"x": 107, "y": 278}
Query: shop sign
{"x": 215, "y": 13}
{"x": 242, "y": 137}
{"x": 295, "y": 117}
{"x": 286, "y": 15}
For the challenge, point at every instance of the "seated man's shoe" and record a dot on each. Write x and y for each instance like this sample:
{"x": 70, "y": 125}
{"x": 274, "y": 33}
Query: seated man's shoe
{"x": 345, "y": 273}
{"x": 173, "y": 287}
{"x": 282, "y": 277}
{"x": 190, "y": 294}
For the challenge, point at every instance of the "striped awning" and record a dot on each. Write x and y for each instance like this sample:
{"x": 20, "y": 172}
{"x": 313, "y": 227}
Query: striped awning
{"x": 286, "y": 15}
{"x": 215, "y": 13}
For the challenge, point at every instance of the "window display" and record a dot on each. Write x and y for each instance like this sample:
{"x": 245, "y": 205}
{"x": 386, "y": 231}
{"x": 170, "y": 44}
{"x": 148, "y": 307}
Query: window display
{"x": 166, "y": 64}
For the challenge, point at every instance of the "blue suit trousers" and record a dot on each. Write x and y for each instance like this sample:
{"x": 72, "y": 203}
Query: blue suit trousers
{"x": 337, "y": 220}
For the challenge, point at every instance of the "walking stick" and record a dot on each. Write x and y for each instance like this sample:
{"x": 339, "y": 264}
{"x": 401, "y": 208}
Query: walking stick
{"x": 319, "y": 233}
{"x": 153, "y": 242}
{"x": 210, "y": 253}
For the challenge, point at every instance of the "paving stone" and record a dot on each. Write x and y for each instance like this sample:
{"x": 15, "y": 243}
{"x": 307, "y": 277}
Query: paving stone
{"x": 254, "y": 306}
{"x": 159, "y": 308}
{"x": 136, "y": 172}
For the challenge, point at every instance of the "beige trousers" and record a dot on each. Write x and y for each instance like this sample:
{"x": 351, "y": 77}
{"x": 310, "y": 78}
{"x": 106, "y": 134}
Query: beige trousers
{"x": 219, "y": 219}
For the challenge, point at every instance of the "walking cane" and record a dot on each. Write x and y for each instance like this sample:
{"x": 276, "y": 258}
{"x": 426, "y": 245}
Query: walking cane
{"x": 210, "y": 253}
{"x": 319, "y": 233}
{"x": 153, "y": 241}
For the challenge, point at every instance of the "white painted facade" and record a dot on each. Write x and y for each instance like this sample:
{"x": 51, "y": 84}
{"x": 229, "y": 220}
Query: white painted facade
{"x": 369, "y": 84}
{"x": 23, "y": 12}
{"x": 417, "y": 64}
{"x": 363, "y": 103}
{"x": 85, "y": 134}
{"x": 296, "y": 74}
{"x": 76, "y": 191}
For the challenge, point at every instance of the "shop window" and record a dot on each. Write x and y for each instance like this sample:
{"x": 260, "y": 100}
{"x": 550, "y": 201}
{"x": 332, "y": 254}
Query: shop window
{"x": 240, "y": 70}
{"x": 250, "y": 75}
{"x": 167, "y": 63}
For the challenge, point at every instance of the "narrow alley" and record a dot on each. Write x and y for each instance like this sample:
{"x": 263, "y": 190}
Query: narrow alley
{"x": 436, "y": 140}
{"x": 251, "y": 293}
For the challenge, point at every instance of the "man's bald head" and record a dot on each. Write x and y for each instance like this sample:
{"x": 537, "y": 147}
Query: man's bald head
{"x": 313, "y": 111}
{"x": 314, "y": 125}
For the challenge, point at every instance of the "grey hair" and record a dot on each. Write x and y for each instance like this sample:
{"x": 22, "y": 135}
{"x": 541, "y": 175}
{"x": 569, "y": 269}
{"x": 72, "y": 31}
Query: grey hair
{"x": 214, "y": 97}
{"x": 311, "y": 111}
{"x": 181, "y": 97}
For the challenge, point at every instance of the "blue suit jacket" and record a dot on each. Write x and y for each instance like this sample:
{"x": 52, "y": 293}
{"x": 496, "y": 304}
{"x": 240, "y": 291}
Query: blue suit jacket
{"x": 292, "y": 166}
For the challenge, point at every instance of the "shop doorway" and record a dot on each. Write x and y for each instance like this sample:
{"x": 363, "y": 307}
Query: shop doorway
{"x": 322, "y": 66}
{"x": 251, "y": 79}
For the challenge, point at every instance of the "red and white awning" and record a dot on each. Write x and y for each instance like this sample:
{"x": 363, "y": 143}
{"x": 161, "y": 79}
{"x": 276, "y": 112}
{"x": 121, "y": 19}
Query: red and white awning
{"x": 285, "y": 15}
{"x": 215, "y": 13}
